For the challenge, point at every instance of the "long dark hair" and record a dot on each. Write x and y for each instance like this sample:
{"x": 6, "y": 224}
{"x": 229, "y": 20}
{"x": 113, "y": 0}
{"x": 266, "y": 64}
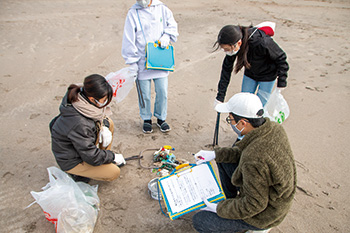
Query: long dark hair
{"x": 231, "y": 34}
{"x": 95, "y": 86}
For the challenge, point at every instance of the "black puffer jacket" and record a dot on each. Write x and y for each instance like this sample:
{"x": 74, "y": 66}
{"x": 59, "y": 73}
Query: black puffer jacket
{"x": 268, "y": 61}
{"x": 73, "y": 139}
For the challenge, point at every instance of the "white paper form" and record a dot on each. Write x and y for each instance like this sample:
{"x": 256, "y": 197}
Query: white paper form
{"x": 187, "y": 188}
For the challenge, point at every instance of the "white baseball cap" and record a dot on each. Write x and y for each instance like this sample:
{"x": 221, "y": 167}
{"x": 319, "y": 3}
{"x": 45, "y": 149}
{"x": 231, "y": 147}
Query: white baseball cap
{"x": 243, "y": 104}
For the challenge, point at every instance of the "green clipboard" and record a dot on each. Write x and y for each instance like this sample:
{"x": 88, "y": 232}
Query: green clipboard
{"x": 184, "y": 189}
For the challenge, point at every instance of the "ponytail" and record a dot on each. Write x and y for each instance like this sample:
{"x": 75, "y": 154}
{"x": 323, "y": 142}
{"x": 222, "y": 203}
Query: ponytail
{"x": 73, "y": 92}
{"x": 242, "y": 59}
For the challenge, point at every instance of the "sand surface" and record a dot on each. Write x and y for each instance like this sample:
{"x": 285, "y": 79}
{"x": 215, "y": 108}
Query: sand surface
{"x": 47, "y": 45}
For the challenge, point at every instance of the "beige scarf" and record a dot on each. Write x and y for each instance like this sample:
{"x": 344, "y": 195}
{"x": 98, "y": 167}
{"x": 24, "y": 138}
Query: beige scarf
{"x": 91, "y": 111}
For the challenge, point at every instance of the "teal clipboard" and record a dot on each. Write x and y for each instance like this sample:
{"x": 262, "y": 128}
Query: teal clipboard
{"x": 158, "y": 58}
{"x": 193, "y": 181}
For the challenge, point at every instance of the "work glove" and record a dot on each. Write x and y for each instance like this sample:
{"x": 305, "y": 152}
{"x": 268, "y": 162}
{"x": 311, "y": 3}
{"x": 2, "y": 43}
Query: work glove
{"x": 204, "y": 156}
{"x": 133, "y": 69}
{"x": 216, "y": 102}
{"x": 164, "y": 40}
{"x": 119, "y": 159}
{"x": 105, "y": 136}
{"x": 210, "y": 206}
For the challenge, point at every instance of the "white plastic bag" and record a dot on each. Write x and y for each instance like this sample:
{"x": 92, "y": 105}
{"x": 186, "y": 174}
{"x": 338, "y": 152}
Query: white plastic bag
{"x": 71, "y": 206}
{"x": 122, "y": 82}
{"x": 276, "y": 107}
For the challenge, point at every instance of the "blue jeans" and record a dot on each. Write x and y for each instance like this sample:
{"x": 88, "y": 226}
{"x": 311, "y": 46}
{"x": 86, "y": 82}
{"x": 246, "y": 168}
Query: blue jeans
{"x": 264, "y": 91}
{"x": 205, "y": 221}
{"x": 161, "y": 101}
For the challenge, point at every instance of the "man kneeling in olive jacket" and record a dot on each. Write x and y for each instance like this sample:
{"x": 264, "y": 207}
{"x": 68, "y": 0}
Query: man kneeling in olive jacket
{"x": 258, "y": 173}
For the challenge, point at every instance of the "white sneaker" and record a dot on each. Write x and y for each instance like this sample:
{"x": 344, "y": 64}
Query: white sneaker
{"x": 263, "y": 231}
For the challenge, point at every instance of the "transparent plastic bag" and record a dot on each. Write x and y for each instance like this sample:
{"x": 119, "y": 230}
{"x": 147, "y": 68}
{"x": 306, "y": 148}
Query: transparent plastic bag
{"x": 71, "y": 206}
{"x": 79, "y": 219}
{"x": 122, "y": 82}
{"x": 276, "y": 107}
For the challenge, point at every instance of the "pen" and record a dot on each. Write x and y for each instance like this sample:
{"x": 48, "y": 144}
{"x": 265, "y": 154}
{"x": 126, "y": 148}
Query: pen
{"x": 198, "y": 157}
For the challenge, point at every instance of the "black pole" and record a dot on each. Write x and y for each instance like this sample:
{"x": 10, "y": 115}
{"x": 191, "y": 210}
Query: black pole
{"x": 216, "y": 132}
{"x": 139, "y": 93}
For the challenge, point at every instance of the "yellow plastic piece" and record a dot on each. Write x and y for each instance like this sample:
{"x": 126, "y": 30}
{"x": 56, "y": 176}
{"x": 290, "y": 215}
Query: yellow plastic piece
{"x": 182, "y": 166}
{"x": 167, "y": 147}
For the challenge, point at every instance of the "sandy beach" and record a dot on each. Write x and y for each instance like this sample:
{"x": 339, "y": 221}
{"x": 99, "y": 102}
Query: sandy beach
{"x": 47, "y": 45}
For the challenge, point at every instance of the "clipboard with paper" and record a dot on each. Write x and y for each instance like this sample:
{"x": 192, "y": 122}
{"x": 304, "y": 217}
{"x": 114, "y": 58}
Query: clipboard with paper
{"x": 184, "y": 190}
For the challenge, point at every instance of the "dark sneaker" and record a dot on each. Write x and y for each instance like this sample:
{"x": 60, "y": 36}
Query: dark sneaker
{"x": 147, "y": 126}
{"x": 77, "y": 178}
{"x": 163, "y": 126}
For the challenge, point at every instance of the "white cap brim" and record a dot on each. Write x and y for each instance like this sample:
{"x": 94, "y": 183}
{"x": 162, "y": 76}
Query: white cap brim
{"x": 242, "y": 104}
{"x": 222, "y": 107}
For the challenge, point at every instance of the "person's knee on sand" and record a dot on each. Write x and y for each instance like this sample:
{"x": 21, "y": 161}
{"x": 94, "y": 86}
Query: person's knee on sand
{"x": 113, "y": 175}
{"x": 105, "y": 172}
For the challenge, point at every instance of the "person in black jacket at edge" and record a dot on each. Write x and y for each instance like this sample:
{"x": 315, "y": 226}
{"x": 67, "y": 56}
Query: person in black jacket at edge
{"x": 263, "y": 60}
{"x": 82, "y": 133}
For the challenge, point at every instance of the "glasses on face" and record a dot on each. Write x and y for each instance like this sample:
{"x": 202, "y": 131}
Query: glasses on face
{"x": 229, "y": 120}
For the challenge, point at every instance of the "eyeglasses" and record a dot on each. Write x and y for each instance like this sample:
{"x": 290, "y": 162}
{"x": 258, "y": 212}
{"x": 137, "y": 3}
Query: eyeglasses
{"x": 229, "y": 120}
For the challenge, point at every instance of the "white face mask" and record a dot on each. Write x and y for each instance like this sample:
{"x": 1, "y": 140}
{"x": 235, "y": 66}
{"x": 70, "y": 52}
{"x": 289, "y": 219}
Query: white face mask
{"x": 231, "y": 53}
{"x": 101, "y": 104}
{"x": 143, "y": 3}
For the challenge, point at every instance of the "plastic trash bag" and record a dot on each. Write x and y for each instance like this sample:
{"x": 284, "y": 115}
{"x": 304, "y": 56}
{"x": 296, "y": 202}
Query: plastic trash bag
{"x": 122, "y": 82}
{"x": 276, "y": 107}
{"x": 71, "y": 206}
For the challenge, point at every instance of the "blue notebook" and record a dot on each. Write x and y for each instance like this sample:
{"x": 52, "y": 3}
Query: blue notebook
{"x": 158, "y": 58}
{"x": 184, "y": 190}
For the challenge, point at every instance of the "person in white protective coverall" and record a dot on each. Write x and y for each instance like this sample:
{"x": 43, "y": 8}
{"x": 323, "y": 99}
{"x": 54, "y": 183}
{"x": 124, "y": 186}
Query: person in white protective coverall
{"x": 149, "y": 20}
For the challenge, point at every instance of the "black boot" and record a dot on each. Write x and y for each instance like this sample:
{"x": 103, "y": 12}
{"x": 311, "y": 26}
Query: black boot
{"x": 77, "y": 178}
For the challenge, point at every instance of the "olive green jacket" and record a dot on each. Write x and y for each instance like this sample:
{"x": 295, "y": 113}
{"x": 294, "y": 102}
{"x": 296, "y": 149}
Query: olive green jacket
{"x": 266, "y": 175}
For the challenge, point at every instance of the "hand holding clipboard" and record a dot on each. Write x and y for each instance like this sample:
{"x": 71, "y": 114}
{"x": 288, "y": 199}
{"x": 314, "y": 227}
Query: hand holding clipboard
{"x": 183, "y": 190}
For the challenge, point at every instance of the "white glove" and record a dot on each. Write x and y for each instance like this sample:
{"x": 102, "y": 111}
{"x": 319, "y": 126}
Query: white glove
{"x": 164, "y": 40}
{"x": 210, "y": 206}
{"x": 119, "y": 159}
{"x": 280, "y": 89}
{"x": 204, "y": 156}
{"x": 133, "y": 69}
{"x": 105, "y": 136}
{"x": 216, "y": 102}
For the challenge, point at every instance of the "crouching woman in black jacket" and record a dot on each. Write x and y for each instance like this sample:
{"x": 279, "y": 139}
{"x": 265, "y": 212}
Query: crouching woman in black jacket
{"x": 82, "y": 133}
